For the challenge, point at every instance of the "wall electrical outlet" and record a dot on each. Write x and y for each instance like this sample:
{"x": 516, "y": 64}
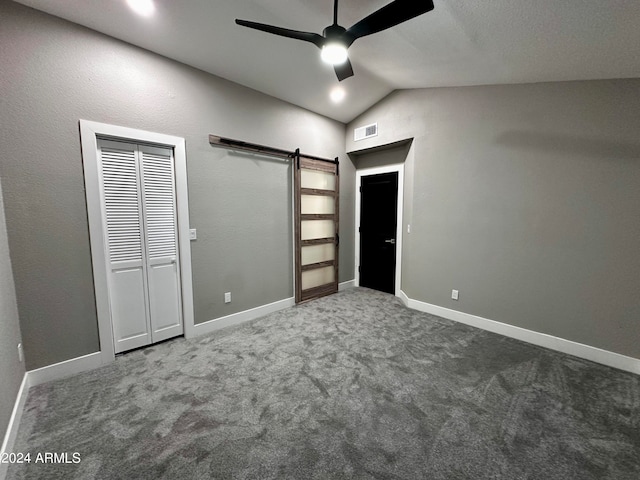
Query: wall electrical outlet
{"x": 227, "y": 297}
{"x": 192, "y": 234}
{"x": 20, "y": 353}
{"x": 454, "y": 294}
{"x": 408, "y": 228}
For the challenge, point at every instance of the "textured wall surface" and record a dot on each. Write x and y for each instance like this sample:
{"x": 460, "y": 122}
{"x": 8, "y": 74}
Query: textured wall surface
{"x": 11, "y": 370}
{"x": 525, "y": 199}
{"x": 55, "y": 73}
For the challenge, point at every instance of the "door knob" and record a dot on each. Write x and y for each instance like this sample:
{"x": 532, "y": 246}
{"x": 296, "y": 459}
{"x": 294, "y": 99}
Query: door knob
{"x": 392, "y": 241}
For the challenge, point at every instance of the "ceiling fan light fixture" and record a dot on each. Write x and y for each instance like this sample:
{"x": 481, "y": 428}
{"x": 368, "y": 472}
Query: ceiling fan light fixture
{"x": 145, "y": 8}
{"x": 334, "y": 53}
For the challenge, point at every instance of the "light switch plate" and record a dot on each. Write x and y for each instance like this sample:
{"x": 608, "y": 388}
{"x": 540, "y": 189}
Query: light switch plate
{"x": 192, "y": 234}
{"x": 454, "y": 294}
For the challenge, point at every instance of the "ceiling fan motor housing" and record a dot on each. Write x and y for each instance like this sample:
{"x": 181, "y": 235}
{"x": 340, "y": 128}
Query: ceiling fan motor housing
{"x": 335, "y": 33}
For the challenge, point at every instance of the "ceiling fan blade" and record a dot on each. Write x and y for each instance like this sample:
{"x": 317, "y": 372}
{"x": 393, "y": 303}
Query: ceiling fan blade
{"x": 388, "y": 16}
{"x": 344, "y": 70}
{"x": 317, "y": 40}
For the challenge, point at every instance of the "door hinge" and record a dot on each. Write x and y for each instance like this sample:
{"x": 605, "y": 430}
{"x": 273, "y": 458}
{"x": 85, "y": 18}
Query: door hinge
{"x": 360, "y": 189}
{"x": 359, "y": 268}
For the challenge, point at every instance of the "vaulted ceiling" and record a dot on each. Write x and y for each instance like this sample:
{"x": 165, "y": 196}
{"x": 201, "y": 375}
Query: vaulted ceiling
{"x": 461, "y": 42}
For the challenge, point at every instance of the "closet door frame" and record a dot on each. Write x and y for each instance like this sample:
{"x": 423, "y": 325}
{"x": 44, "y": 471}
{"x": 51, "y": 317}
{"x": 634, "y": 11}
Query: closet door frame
{"x": 90, "y": 132}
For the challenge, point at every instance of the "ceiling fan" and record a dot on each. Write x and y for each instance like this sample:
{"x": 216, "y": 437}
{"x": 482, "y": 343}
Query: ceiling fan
{"x": 335, "y": 40}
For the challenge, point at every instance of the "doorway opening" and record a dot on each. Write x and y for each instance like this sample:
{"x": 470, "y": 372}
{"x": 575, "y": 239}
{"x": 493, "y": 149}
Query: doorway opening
{"x": 379, "y": 195}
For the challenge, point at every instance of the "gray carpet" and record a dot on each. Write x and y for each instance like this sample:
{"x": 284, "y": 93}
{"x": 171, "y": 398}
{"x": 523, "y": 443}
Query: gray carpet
{"x": 349, "y": 386}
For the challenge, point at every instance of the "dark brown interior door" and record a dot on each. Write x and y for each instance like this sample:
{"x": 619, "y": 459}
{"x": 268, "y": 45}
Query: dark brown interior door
{"x": 378, "y": 223}
{"x": 316, "y": 227}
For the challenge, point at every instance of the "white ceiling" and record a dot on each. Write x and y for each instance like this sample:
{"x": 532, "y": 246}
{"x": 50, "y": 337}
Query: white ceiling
{"x": 461, "y": 42}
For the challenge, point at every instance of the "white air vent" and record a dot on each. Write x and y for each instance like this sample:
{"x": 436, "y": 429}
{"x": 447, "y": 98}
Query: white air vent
{"x": 367, "y": 131}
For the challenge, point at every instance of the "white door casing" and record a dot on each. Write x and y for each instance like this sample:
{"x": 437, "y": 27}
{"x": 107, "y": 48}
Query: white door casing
{"x": 400, "y": 221}
{"x": 162, "y": 264}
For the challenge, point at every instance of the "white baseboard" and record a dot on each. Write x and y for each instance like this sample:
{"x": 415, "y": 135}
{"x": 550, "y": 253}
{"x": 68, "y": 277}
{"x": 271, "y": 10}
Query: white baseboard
{"x": 36, "y": 377}
{"x": 346, "y": 285}
{"x": 95, "y": 360}
{"x": 14, "y": 422}
{"x": 252, "y": 314}
{"x": 569, "y": 347}
{"x": 65, "y": 369}
{"x": 241, "y": 317}
{"x": 404, "y": 299}
{"x": 16, "y": 415}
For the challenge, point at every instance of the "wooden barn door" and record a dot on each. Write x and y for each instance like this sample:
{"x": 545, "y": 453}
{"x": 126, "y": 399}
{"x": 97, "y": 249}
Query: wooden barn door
{"x": 316, "y": 203}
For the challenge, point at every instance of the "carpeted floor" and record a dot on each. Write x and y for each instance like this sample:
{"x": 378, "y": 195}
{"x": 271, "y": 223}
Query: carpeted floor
{"x": 349, "y": 386}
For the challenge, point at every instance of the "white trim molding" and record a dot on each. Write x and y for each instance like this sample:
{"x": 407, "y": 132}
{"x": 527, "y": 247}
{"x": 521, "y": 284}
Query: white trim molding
{"x": 95, "y": 360}
{"x": 90, "y": 132}
{"x": 404, "y": 299}
{"x": 242, "y": 317}
{"x": 65, "y": 369}
{"x": 253, "y": 313}
{"x": 562, "y": 345}
{"x": 364, "y": 172}
{"x": 38, "y": 376}
{"x": 346, "y": 285}
{"x": 14, "y": 421}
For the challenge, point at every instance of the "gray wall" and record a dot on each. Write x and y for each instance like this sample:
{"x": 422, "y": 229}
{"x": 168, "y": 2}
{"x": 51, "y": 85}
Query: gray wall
{"x": 526, "y": 199}
{"x": 11, "y": 370}
{"x": 55, "y": 73}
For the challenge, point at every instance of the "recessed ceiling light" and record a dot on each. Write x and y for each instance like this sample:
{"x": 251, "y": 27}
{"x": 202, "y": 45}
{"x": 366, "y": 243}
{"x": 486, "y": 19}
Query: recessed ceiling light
{"x": 337, "y": 94}
{"x": 142, "y": 7}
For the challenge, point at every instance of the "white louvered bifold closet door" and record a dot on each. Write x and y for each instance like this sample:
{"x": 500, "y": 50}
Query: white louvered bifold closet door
{"x": 158, "y": 182}
{"x": 139, "y": 214}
